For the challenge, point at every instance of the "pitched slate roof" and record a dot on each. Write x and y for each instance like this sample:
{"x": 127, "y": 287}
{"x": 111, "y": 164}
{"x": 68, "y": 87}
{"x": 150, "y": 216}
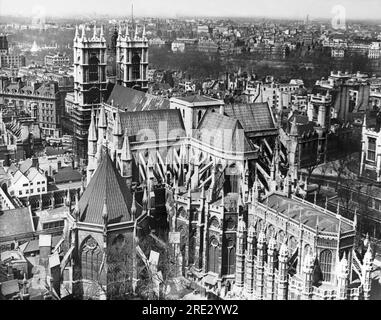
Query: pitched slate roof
{"x": 10, "y": 288}
{"x": 222, "y": 132}
{"x": 133, "y": 100}
{"x": 67, "y": 175}
{"x": 253, "y": 116}
{"x": 135, "y": 122}
{"x": 106, "y": 186}
{"x": 16, "y": 222}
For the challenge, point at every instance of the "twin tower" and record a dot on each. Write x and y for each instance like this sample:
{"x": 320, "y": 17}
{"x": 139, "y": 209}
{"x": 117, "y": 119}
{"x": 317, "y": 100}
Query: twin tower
{"x": 91, "y": 57}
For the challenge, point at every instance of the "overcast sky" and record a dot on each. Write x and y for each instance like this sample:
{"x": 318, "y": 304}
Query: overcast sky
{"x": 355, "y": 9}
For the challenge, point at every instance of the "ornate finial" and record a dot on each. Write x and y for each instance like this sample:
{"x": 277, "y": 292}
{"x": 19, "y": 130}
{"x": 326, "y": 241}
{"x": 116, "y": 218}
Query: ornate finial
{"x": 76, "y": 32}
{"x": 95, "y": 31}
{"x": 136, "y": 32}
{"x": 127, "y": 32}
{"x": 145, "y": 197}
{"x": 368, "y": 257}
{"x": 133, "y": 206}
{"x": 83, "y": 36}
{"x": 102, "y": 32}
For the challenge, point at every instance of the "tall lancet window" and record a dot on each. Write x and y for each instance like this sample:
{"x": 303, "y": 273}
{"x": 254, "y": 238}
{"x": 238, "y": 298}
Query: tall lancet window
{"x": 93, "y": 68}
{"x": 326, "y": 264}
{"x": 91, "y": 259}
{"x": 214, "y": 253}
{"x": 135, "y": 66}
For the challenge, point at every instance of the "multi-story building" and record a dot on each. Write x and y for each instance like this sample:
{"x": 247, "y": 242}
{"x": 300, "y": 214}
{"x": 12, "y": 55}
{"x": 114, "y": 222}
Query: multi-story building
{"x": 41, "y": 100}
{"x": 57, "y": 60}
{"x": 12, "y": 61}
{"x": 28, "y": 180}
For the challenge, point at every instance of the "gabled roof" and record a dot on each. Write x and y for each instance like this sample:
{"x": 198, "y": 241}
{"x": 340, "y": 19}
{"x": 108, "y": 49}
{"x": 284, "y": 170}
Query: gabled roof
{"x": 135, "y": 122}
{"x": 26, "y": 165}
{"x": 106, "y": 186}
{"x": 133, "y": 100}
{"x": 16, "y": 222}
{"x": 67, "y": 175}
{"x": 253, "y": 117}
{"x": 222, "y": 132}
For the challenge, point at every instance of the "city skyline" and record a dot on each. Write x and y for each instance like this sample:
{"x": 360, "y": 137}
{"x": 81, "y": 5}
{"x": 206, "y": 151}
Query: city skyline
{"x": 295, "y": 9}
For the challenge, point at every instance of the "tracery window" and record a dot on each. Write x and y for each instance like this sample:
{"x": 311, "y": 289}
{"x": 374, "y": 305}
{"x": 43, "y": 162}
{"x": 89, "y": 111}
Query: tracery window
{"x": 93, "y": 68}
{"x": 91, "y": 259}
{"x": 135, "y": 66}
{"x": 326, "y": 264}
{"x": 213, "y": 255}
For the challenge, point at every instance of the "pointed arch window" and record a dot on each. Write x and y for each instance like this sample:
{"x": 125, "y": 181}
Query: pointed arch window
{"x": 213, "y": 255}
{"x": 326, "y": 264}
{"x": 135, "y": 66}
{"x": 93, "y": 67}
{"x": 91, "y": 259}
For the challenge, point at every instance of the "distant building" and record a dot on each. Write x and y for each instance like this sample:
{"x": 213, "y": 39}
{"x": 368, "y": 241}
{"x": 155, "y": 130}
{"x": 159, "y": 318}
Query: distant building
{"x": 12, "y": 61}
{"x": 57, "y": 60}
{"x": 41, "y": 100}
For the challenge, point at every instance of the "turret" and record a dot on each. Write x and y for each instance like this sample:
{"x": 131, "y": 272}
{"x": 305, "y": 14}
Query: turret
{"x": 92, "y": 148}
{"x": 76, "y": 36}
{"x": 283, "y": 272}
{"x": 102, "y": 34}
{"x": 117, "y": 131}
{"x": 240, "y": 256}
{"x": 145, "y": 199}
{"x": 250, "y": 262}
{"x": 308, "y": 268}
{"x": 83, "y": 36}
{"x": 126, "y": 159}
{"x": 343, "y": 279}
{"x": 366, "y": 273}
{"x": 95, "y": 32}
{"x": 270, "y": 283}
{"x": 260, "y": 265}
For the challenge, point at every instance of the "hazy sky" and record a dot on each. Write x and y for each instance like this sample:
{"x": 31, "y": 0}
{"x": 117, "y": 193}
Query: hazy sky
{"x": 355, "y": 9}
